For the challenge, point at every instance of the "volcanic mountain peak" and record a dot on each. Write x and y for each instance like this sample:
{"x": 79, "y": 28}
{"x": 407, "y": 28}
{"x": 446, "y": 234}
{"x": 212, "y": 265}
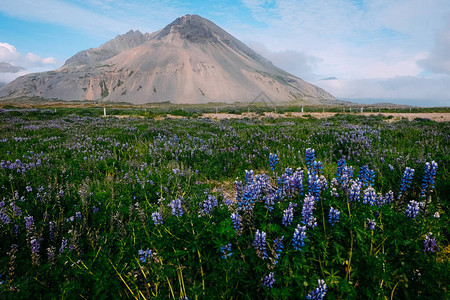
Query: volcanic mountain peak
{"x": 111, "y": 48}
{"x": 191, "y": 60}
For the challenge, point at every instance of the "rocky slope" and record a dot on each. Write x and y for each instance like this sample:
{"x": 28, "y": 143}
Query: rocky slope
{"x": 191, "y": 60}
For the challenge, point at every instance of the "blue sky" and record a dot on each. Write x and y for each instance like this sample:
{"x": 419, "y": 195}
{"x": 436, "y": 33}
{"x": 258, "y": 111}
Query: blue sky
{"x": 387, "y": 50}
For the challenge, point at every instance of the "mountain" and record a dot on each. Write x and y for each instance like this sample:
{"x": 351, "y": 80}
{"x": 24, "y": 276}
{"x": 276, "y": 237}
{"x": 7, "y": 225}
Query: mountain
{"x": 8, "y": 68}
{"x": 191, "y": 60}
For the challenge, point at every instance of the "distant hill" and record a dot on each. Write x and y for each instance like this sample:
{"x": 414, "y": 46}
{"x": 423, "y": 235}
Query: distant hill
{"x": 191, "y": 60}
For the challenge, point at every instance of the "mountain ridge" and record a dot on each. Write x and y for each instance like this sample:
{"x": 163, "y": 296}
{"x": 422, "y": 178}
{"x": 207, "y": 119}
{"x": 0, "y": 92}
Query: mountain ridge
{"x": 191, "y": 60}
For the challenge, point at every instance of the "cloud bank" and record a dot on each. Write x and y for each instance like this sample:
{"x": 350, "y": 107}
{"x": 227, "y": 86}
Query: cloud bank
{"x": 22, "y": 63}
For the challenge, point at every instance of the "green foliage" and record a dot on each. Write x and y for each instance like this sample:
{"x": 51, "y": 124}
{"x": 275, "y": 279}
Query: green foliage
{"x": 99, "y": 180}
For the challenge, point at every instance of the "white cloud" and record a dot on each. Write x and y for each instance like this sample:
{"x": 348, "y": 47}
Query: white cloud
{"x": 58, "y": 12}
{"x": 422, "y": 91}
{"x": 298, "y": 63}
{"x": 30, "y": 61}
{"x": 439, "y": 58}
{"x": 8, "y": 53}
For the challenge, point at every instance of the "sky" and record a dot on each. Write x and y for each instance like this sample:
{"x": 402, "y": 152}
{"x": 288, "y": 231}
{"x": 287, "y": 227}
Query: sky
{"x": 365, "y": 51}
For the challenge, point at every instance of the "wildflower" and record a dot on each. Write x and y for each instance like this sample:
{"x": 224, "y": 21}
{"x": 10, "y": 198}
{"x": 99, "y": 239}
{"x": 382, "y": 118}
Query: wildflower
{"x": 249, "y": 178}
{"x": 369, "y": 196}
{"x": 310, "y": 157}
{"x": 429, "y": 176}
{"x": 307, "y": 212}
{"x": 29, "y": 189}
{"x": 437, "y": 215}
{"x": 208, "y": 205}
{"x": 299, "y": 236}
{"x": 405, "y": 184}
{"x": 334, "y": 192}
{"x": 157, "y": 218}
{"x": 236, "y": 220}
{"x": 269, "y": 201}
{"x": 288, "y": 215}
{"x": 226, "y": 251}
{"x": 4, "y": 218}
{"x": 29, "y": 223}
{"x": 273, "y": 161}
{"x": 94, "y": 209}
{"x": 388, "y": 197}
{"x": 269, "y": 280}
{"x": 16, "y": 210}
{"x": 429, "y": 243}
{"x": 143, "y": 255}
{"x": 175, "y": 205}
{"x": 51, "y": 229}
{"x": 78, "y": 215}
{"x": 366, "y": 176}
{"x": 412, "y": 209}
{"x": 355, "y": 191}
{"x": 319, "y": 293}
{"x": 260, "y": 244}
{"x": 63, "y": 245}
{"x": 35, "y": 246}
{"x": 277, "y": 249}
{"x": 372, "y": 223}
{"x": 333, "y": 216}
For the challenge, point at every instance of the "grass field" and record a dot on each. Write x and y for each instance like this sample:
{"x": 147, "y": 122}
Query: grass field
{"x": 349, "y": 206}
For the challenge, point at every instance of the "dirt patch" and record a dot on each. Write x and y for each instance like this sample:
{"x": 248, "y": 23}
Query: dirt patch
{"x": 438, "y": 117}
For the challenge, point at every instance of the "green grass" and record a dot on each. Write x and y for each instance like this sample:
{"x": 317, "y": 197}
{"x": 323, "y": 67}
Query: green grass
{"x": 73, "y": 162}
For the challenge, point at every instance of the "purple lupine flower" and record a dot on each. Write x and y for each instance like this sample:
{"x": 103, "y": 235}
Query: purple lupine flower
{"x": 319, "y": 293}
{"x": 307, "y": 212}
{"x": 310, "y": 157}
{"x": 226, "y": 251}
{"x": 228, "y": 201}
{"x": 269, "y": 201}
{"x": 35, "y": 245}
{"x": 208, "y": 205}
{"x": 334, "y": 192}
{"x": 51, "y": 229}
{"x": 63, "y": 245}
{"x": 260, "y": 244}
{"x": 249, "y": 178}
{"x": 144, "y": 254}
{"x": 369, "y": 196}
{"x": 429, "y": 243}
{"x": 29, "y": 222}
{"x": 333, "y": 215}
{"x": 405, "y": 184}
{"x": 372, "y": 223}
{"x": 355, "y": 191}
{"x": 269, "y": 280}
{"x": 288, "y": 215}
{"x": 389, "y": 197}
{"x": 429, "y": 176}
{"x": 94, "y": 209}
{"x": 314, "y": 185}
{"x": 177, "y": 209}
{"x": 236, "y": 220}
{"x": 78, "y": 215}
{"x": 16, "y": 210}
{"x": 157, "y": 218}
{"x": 412, "y": 209}
{"x": 277, "y": 249}
{"x": 29, "y": 189}
{"x": 4, "y": 218}
{"x": 299, "y": 236}
{"x": 273, "y": 161}
{"x": 366, "y": 176}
